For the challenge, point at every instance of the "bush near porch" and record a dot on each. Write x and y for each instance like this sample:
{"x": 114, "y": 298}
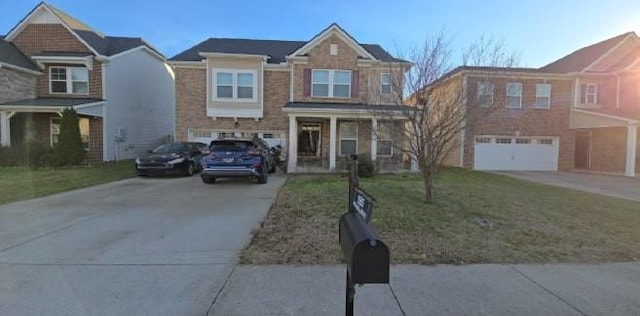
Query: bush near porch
{"x": 476, "y": 218}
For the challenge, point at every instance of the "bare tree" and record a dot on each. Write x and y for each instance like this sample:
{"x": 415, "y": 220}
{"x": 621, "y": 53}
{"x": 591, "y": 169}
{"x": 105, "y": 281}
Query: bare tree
{"x": 435, "y": 111}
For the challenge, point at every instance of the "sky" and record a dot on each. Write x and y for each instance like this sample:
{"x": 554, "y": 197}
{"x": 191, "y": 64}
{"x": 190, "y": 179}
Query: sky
{"x": 540, "y": 31}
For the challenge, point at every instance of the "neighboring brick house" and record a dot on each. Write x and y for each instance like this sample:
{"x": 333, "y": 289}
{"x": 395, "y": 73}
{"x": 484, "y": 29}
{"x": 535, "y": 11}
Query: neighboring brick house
{"x": 579, "y": 112}
{"x": 316, "y": 98}
{"x": 50, "y": 61}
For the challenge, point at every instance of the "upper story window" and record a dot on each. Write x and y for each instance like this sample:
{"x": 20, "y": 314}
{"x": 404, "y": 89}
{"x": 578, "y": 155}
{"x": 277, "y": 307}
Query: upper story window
{"x": 234, "y": 85}
{"x": 543, "y": 96}
{"x": 327, "y": 83}
{"x": 514, "y": 95}
{"x": 385, "y": 83}
{"x": 589, "y": 93}
{"x": 69, "y": 80}
{"x": 485, "y": 94}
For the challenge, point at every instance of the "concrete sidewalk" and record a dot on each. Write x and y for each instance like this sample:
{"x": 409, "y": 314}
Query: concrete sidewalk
{"x": 554, "y": 289}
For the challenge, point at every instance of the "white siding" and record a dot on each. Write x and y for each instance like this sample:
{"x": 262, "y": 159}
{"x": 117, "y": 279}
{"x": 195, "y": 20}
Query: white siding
{"x": 140, "y": 104}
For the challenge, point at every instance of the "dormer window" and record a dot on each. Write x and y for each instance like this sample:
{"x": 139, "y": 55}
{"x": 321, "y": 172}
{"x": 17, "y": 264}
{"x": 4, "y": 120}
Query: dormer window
{"x": 330, "y": 83}
{"x": 589, "y": 93}
{"x": 69, "y": 80}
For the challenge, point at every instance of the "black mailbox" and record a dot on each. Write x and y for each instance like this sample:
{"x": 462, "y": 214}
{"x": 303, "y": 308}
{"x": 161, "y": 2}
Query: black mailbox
{"x": 366, "y": 255}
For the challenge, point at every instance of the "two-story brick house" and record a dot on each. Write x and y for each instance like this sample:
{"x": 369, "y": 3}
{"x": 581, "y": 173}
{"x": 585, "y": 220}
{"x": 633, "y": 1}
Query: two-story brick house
{"x": 121, "y": 87}
{"x": 579, "y": 112}
{"x": 317, "y": 98}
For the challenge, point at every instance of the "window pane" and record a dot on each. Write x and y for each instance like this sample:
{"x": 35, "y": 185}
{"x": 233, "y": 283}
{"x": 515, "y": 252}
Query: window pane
{"x": 59, "y": 86}
{"x": 485, "y": 100}
{"x": 341, "y": 91}
{"x": 224, "y": 78}
{"x": 543, "y": 90}
{"x": 83, "y": 123}
{"x": 80, "y": 87}
{"x": 224, "y": 92}
{"x": 79, "y": 74}
{"x": 320, "y": 76}
{"x": 542, "y": 102}
{"x": 341, "y": 76}
{"x": 514, "y": 89}
{"x": 320, "y": 90}
{"x": 386, "y": 89}
{"x": 245, "y": 79}
{"x": 513, "y": 102}
{"x": 347, "y": 147}
{"x": 348, "y": 130}
{"x": 245, "y": 92}
{"x": 384, "y": 148}
{"x": 385, "y": 79}
{"x": 58, "y": 73}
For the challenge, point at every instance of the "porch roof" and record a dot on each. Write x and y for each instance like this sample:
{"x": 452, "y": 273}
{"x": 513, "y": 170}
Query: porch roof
{"x": 346, "y": 106}
{"x": 622, "y": 114}
{"x": 51, "y": 102}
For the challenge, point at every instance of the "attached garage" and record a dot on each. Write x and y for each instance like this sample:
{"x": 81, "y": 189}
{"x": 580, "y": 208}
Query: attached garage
{"x": 272, "y": 138}
{"x": 532, "y": 153}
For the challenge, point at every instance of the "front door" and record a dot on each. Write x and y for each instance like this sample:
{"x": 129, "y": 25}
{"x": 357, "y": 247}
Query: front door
{"x": 583, "y": 149}
{"x": 309, "y": 139}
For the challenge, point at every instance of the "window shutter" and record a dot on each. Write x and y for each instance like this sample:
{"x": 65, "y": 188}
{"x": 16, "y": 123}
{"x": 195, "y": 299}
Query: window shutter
{"x": 307, "y": 82}
{"x": 355, "y": 87}
{"x": 583, "y": 93}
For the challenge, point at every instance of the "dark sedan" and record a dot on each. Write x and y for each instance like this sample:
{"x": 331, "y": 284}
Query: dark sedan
{"x": 171, "y": 159}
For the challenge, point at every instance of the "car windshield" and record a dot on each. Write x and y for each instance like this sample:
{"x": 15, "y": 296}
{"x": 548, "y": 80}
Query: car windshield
{"x": 169, "y": 148}
{"x": 231, "y": 146}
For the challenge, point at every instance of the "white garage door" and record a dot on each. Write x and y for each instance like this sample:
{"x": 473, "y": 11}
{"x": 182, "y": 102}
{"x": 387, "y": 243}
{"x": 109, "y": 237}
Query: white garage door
{"x": 516, "y": 153}
{"x": 272, "y": 138}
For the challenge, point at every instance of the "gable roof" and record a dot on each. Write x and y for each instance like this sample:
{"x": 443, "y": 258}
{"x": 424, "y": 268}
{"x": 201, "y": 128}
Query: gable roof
{"x": 334, "y": 28}
{"x": 276, "y": 49}
{"x": 9, "y": 54}
{"x": 94, "y": 40}
{"x": 584, "y": 57}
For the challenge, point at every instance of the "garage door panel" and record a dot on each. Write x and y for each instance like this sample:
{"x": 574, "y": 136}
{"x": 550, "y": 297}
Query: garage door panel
{"x": 528, "y": 153}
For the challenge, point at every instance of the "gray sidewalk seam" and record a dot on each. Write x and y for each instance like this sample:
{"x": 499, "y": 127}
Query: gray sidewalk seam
{"x": 514, "y": 268}
{"x": 397, "y": 300}
{"x": 215, "y": 299}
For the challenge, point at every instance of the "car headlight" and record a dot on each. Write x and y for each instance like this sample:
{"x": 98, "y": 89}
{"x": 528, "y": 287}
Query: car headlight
{"x": 175, "y": 161}
{"x": 137, "y": 161}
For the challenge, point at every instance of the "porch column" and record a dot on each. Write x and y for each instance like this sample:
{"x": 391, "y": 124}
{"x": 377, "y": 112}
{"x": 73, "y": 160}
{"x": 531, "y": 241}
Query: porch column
{"x": 630, "y": 169}
{"x": 5, "y": 128}
{"x": 293, "y": 145}
{"x": 374, "y": 139}
{"x": 332, "y": 143}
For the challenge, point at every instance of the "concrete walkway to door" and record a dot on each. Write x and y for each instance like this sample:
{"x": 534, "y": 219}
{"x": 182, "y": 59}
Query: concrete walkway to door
{"x": 610, "y": 185}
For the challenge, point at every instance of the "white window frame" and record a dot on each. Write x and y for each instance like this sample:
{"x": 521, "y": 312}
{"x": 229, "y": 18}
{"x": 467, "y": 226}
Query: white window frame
{"x": 587, "y": 94}
{"x": 388, "y": 138}
{"x": 507, "y": 95}
{"x": 480, "y": 93}
{"x": 234, "y": 82}
{"x": 331, "y": 83}
{"x": 69, "y": 80}
{"x": 538, "y": 95}
{"x": 383, "y": 84}
{"x": 347, "y": 138}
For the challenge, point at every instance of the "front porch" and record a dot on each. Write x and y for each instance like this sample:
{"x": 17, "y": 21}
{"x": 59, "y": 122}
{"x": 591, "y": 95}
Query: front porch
{"x": 321, "y": 139}
{"x": 38, "y": 120}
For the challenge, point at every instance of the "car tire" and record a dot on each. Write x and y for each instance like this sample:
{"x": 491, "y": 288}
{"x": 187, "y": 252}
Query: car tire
{"x": 209, "y": 180}
{"x": 190, "y": 169}
{"x": 262, "y": 179}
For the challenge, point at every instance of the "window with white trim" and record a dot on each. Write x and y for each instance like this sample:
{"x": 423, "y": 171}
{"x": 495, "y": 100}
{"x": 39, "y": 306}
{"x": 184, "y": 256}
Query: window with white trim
{"x": 348, "y": 138}
{"x": 503, "y": 140}
{"x": 234, "y": 85}
{"x": 485, "y": 94}
{"x": 514, "y": 95}
{"x": 384, "y": 139}
{"x": 589, "y": 93}
{"x": 69, "y": 80}
{"x": 330, "y": 83}
{"x": 83, "y": 125}
{"x": 543, "y": 96}
{"x": 385, "y": 83}
{"x": 483, "y": 140}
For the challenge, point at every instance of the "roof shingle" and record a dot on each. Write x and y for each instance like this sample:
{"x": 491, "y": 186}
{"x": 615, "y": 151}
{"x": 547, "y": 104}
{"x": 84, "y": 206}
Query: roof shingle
{"x": 10, "y": 54}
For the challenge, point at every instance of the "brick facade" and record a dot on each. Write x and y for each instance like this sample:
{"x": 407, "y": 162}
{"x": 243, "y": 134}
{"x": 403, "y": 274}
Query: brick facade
{"x": 608, "y": 149}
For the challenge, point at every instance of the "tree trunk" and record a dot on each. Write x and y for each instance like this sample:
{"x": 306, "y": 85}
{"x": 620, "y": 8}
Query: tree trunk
{"x": 427, "y": 177}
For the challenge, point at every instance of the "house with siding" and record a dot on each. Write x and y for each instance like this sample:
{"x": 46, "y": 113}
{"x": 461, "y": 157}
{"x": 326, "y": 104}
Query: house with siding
{"x": 121, "y": 87}
{"x": 579, "y": 112}
{"x": 316, "y": 98}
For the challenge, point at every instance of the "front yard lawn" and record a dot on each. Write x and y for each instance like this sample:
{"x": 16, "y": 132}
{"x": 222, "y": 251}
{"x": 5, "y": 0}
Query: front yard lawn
{"x": 526, "y": 222}
{"x": 21, "y": 183}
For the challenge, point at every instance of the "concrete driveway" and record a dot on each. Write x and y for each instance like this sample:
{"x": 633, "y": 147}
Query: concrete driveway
{"x": 615, "y": 186}
{"x": 144, "y": 246}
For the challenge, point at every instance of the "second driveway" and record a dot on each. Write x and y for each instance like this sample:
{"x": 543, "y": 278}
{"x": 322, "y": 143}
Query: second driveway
{"x": 615, "y": 186}
{"x": 134, "y": 247}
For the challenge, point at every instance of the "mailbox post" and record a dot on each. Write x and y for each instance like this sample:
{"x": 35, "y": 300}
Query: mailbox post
{"x": 367, "y": 257}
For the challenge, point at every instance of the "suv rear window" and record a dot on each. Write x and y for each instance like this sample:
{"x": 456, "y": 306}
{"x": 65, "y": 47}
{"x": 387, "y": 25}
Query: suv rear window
{"x": 230, "y": 145}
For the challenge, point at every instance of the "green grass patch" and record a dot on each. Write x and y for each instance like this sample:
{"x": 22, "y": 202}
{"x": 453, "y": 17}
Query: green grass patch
{"x": 21, "y": 183}
{"x": 527, "y": 222}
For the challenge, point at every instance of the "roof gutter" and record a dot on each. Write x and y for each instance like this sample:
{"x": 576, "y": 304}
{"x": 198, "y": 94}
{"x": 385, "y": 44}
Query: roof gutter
{"x": 248, "y": 56}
